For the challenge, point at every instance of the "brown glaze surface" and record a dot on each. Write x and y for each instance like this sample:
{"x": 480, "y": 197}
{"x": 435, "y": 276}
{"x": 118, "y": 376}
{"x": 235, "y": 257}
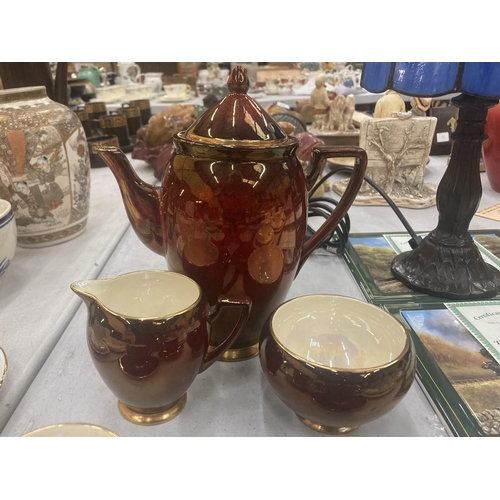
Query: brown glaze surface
{"x": 141, "y": 199}
{"x": 234, "y": 227}
{"x": 232, "y": 209}
{"x": 150, "y": 363}
{"x": 147, "y": 367}
{"x": 335, "y": 398}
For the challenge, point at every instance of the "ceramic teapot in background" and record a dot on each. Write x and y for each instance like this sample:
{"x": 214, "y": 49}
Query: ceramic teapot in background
{"x": 96, "y": 76}
{"x": 231, "y": 212}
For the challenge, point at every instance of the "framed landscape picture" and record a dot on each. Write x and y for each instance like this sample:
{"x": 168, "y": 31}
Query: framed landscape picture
{"x": 456, "y": 342}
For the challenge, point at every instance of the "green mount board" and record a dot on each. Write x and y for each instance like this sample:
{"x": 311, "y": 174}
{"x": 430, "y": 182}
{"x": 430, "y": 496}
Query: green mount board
{"x": 368, "y": 256}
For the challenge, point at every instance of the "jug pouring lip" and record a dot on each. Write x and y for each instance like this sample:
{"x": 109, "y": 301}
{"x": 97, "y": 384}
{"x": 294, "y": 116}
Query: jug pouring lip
{"x": 79, "y": 287}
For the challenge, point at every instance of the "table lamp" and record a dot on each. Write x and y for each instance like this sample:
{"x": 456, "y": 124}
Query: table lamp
{"x": 447, "y": 263}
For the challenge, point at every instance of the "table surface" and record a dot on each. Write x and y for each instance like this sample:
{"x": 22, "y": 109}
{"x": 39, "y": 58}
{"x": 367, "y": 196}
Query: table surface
{"x": 264, "y": 100}
{"x": 51, "y": 378}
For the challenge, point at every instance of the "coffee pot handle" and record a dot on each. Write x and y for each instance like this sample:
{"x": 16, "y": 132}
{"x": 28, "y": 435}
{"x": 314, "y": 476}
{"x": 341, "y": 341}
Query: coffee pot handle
{"x": 319, "y": 155}
{"x": 242, "y": 303}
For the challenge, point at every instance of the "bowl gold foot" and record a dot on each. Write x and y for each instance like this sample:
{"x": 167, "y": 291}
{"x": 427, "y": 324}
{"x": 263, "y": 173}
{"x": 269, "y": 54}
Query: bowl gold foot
{"x": 326, "y": 429}
{"x": 241, "y": 353}
{"x": 152, "y": 416}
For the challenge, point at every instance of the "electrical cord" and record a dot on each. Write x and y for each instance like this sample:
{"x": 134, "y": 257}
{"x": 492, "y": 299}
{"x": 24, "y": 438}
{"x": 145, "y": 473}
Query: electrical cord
{"x": 322, "y": 207}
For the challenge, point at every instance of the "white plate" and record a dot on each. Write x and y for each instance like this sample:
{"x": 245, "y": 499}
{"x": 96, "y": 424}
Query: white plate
{"x": 71, "y": 430}
{"x": 166, "y": 98}
{"x": 3, "y": 366}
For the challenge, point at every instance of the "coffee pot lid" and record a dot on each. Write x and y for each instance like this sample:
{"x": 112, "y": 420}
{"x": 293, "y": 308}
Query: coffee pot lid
{"x": 236, "y": 117}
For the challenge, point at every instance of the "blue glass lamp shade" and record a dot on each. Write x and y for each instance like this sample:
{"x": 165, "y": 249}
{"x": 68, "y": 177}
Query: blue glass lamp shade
{"x": 431, "y": 79}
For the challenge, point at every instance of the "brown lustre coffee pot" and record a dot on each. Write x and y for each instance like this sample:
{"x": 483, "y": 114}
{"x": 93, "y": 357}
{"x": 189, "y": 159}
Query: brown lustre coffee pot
{"x": 231, "y": 212}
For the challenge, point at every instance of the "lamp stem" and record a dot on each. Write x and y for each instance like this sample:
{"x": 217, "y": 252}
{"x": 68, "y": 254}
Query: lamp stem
{"x": 447, "y": 263}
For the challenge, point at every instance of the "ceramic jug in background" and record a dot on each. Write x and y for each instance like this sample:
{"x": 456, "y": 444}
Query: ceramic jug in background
{"x": 231, "y": 212}
{"x": 148, "y": 334}
{"x": 129, "y": 72}
{"x": 44, "y": 167}
{"x": 154, "y": 80}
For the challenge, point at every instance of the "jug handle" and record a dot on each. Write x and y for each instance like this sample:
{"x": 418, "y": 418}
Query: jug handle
{"x": 139, "y": 72}
{"x": 245, "y": 305}
{"x": 319, "y": 155}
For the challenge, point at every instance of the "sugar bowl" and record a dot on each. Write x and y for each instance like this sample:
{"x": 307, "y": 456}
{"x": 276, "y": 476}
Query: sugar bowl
{"x": 336, "y": 362}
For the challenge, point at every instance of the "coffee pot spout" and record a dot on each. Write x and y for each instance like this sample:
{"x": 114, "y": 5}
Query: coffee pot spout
{"x": 142, "y": 200}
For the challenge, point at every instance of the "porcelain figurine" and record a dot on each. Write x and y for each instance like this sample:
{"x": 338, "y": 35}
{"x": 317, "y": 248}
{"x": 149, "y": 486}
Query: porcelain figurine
{"x": 44, "y": 167}
{"x": 419, "y": 107}
{"x": 271, "y": 86}
{"x": 217, "y": 76}
{"x": 391, "y": 102}
{"x": 231, "y": 212}
{"x": 210, "y": 78}
{"x": 347, "y": 124}
{"x": 321, "y": 104}
{"x": 339, "y": 117}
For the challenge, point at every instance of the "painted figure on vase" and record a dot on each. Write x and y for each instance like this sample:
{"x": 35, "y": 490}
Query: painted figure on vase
{"x": 33, "y": 201}
{"x": 52, "y": 193}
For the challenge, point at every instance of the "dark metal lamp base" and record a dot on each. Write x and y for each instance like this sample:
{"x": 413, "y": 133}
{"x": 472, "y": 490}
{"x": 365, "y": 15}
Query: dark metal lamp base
{"x": 447, "y": 263}
{"x": 455, "y": 271}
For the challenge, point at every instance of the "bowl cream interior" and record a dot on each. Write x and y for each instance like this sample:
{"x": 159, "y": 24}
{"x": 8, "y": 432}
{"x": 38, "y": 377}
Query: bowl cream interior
{"x": 144, "y": 294}
{"x": 338, "y": 332}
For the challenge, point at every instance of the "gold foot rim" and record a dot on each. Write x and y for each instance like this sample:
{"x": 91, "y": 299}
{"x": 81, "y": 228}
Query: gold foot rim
{"x": 152, "y": 416}
{"x": 326, "y": 429}
{"x": 241, "y": 353}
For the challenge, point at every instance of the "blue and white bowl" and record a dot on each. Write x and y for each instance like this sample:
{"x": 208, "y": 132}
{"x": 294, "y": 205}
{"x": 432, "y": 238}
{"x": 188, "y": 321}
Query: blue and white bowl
{"x": 8, "y": 235}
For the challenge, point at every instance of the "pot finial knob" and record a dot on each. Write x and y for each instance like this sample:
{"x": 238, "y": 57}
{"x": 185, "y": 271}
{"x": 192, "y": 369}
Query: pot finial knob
{"x": 238, "y": 81}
